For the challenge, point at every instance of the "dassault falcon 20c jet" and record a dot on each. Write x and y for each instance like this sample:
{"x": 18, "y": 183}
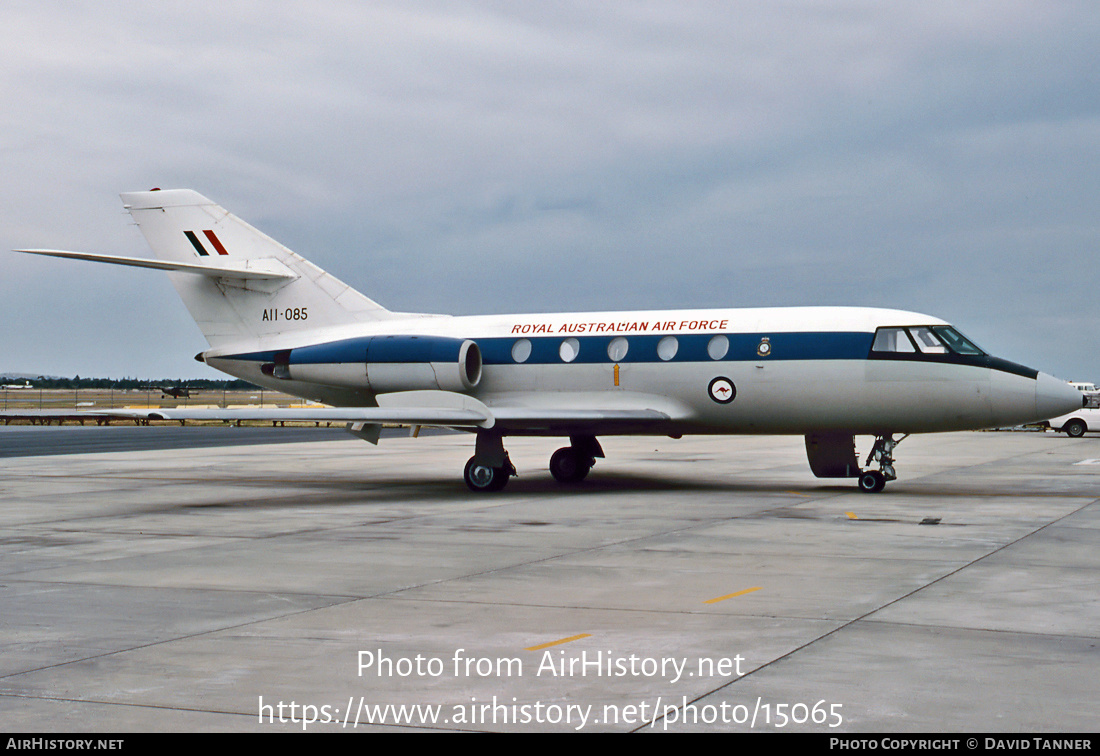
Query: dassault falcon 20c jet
{"x": 825, "y": 373}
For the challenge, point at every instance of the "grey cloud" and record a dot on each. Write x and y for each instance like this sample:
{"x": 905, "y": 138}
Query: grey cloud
{"x": 489, "y": 157}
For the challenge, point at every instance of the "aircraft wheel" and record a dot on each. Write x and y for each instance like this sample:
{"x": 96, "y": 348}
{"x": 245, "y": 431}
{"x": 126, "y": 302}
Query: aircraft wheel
{"x": 872, "y": 481}
{"x": 484, "y": 479}
{"x": 567, "y": 465}
{"x": 1075, "y": 428}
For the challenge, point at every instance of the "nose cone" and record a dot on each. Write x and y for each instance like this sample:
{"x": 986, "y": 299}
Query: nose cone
{"x": 1054, "y": 397}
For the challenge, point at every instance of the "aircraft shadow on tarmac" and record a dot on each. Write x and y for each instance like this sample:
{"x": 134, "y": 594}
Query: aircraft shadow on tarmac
{"x": 310, "y": 490}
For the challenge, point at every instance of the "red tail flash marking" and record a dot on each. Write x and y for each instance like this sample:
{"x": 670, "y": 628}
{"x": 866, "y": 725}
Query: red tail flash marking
{"x": 217, "y": 244}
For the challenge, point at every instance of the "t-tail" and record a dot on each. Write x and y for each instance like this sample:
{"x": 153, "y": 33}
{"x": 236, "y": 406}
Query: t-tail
{"x": 183, "y": 226}
{"x": 238, "y": 283}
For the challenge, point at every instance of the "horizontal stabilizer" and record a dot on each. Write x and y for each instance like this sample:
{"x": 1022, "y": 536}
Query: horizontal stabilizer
{"x": 251, "y": 270}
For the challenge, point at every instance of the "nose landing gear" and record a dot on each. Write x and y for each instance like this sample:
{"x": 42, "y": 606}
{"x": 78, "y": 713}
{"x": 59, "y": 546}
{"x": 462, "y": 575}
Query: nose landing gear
{"x": 872, "y": 481}
{"x": 882, "y": 453}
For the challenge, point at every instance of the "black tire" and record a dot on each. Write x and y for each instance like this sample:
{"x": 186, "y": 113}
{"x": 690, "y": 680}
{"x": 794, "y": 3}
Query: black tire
{"x": 484, "y": 479}
{"x": 871, "y": 481}
{"x": 567, "y": 465}
{"x": 1075, "y": 428}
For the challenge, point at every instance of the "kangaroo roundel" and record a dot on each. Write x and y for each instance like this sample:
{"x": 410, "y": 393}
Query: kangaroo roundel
{"x": 722, "y": 390}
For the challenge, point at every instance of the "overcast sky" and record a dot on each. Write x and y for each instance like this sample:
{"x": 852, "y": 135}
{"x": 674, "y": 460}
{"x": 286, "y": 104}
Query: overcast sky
{"x": 489, "y": 157}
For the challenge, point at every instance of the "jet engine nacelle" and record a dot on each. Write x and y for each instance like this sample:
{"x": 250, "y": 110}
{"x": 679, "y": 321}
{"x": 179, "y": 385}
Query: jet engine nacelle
{"x": 384, "y": 364}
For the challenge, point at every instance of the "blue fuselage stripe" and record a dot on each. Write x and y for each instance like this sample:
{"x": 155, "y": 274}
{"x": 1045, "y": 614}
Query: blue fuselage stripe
{"x": 593, "y": 350}
{"x": 545, "y": 350}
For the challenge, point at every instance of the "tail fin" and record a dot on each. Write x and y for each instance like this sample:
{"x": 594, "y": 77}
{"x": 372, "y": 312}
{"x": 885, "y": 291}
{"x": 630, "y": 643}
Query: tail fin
{"x": 185, "y": 228}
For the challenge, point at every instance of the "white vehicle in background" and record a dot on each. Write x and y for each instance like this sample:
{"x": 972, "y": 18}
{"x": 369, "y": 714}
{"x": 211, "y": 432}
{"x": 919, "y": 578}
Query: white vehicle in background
{"x": 1079, "y": 422}
{"x": 1088, "y": 389}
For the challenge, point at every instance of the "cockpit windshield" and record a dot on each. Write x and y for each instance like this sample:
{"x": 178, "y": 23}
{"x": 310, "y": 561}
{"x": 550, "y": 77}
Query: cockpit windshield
{"x": 937, "y": 344}
{"x": 956, "y": 342}
{"x": 923, "y": 340}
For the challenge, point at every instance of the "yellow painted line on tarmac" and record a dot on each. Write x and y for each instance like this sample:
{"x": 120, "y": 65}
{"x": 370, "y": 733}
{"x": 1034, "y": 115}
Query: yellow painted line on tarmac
{"x": 732, "y": 595}
{"x": 570, "y": 639}
{"x": 851, "y": 515}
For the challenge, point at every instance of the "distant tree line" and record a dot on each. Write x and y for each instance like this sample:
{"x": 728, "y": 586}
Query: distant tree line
{"x": 76, "y": 382}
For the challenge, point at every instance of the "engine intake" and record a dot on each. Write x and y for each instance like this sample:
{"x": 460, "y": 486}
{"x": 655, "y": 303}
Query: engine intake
{"x": 384, "y": 364}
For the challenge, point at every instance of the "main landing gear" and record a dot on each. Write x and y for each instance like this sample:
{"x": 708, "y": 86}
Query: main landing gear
{"x": 489, "y": 469}
{"x": 873, "y": 481}
{"x": 483, "y": 478}
{"x": 570, "y": 464}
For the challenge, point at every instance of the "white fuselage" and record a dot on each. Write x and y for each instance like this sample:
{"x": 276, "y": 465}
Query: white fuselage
{"x": 791, "y": 370}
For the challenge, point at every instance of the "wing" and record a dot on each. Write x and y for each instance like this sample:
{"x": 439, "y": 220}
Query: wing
{"x": 397, "y": 415}
{"x": 507, "y": 419}
{"x": 549, "y": 414}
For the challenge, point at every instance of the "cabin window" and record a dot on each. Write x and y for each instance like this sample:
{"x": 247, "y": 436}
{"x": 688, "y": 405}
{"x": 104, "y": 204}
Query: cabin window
{"x": 617, "y": 349}
{"x": 667, "y": 348}
{"x": 569, "y": 350}
{"x": 521, "y": 350}
{"x": 718, "y": 347}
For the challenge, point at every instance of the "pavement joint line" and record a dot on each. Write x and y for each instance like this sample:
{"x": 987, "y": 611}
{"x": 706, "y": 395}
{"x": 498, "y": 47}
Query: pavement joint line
{"x": 188, "y": 636}
{"x": 383, "y": 594}
{"x": 98, "y": 702}
{"x": 868, "y": 614}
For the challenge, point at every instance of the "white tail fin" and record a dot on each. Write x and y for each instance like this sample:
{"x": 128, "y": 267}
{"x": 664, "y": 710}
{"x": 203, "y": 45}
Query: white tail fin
{"x": 287, "y": 292}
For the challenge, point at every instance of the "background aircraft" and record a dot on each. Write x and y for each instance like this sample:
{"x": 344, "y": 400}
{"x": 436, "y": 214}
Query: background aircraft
{"x": 826, "y": 373}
